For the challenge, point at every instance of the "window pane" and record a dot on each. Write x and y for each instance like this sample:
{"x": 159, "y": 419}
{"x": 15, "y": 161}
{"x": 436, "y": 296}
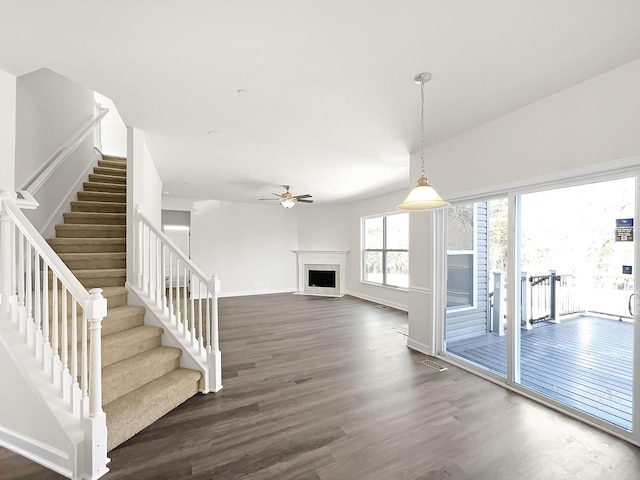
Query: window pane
{"x": 459, "y": 280}
{"x": 373, "y": 233}
{"x": 398, "y": 269}
{"x": 460, "y": 227}
{"x": 398, "y": 232}
{"x": 373, "y": 267}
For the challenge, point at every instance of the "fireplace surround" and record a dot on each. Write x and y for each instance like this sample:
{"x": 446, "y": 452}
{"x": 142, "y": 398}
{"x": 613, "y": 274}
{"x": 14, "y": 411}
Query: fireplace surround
{"x": 321, "y": 272}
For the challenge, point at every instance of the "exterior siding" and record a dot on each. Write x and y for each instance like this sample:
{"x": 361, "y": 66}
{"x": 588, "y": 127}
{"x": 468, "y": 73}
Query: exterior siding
{"x": 469, "y": 322}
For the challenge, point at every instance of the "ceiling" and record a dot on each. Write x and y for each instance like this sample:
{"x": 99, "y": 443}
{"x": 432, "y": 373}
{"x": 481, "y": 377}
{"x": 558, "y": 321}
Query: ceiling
{"x": 237, "y": 97}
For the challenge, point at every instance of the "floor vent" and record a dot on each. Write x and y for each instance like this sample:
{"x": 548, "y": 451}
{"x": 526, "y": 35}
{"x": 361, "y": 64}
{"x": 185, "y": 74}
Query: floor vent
{"x": 434, "y": 365}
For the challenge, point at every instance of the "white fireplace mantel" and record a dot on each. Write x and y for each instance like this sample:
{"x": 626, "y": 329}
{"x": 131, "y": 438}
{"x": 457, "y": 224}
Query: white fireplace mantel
{"x": 326, "y": 259}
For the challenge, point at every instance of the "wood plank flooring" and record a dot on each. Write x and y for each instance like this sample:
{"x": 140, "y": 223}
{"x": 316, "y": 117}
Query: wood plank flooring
{"x": 325, "y": 389}
{"x": 585, "y": 362}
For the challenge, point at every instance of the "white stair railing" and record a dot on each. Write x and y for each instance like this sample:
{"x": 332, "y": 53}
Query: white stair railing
{"x": 186, "y": 297}
{"x": 60, "y": 323}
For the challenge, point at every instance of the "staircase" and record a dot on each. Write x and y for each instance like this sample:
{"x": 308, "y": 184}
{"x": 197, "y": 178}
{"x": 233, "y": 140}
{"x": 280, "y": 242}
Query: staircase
{"x": 141, "y": 379}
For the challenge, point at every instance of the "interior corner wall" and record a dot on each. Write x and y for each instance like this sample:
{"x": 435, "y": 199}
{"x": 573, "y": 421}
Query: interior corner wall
{"x": 49, "y": 109}
{"x": 7, "y": 131}
{"x": 251, "y": 247}
{"x": 113, "y": 131}
{"x": 322, "y": 227}
{"x": 387, "y": 203}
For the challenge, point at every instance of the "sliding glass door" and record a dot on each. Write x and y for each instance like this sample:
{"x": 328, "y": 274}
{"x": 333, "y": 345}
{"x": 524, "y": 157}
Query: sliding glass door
{"x": 565, "y": 330}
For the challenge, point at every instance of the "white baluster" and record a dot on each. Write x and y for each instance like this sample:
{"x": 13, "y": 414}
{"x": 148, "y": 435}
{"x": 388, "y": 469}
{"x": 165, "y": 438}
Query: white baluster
{"x": 172, "y": 313}
{"x": 27, "y": 326}
{"x": 37, "y": 337}
{"x": 192, "y": 320}
{"x": 55, "y": 360}
{"x": 164, "y": 277}
{"x": 139, "y": 240}
{"x": 6, "y": 261}
{"x": 215, "y": 358}
{"x": 185, "y": 330}
{"x": 46, "y": 345}
{"x": 20, "y": 240}
{"x": 178, "y": 313}
{"x": 159, "y": 280}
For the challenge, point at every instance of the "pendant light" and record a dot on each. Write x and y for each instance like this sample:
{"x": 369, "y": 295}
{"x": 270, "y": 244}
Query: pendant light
{"x": 423, "y": 196}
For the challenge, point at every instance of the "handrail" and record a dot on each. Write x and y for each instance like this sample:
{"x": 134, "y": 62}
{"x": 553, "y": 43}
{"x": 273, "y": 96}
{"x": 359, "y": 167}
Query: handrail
{"x": 54, "y": 161}
{"x": 186, "y": 298}
{"x": 168, "y": 241}
{"x": 45, "y": 251}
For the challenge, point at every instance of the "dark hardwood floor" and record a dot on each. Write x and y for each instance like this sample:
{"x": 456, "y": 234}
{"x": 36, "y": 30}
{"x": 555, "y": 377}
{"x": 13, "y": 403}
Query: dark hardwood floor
{"x": 325, "y": 388}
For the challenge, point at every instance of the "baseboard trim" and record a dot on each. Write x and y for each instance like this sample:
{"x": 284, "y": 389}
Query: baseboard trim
{"x": 419, "y": 347}
{"x": 248, "y": 293}
{"x": 46, "y": 455}
{"x": 397, "y": 306}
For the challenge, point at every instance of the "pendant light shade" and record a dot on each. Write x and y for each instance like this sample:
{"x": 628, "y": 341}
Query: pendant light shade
{"x": 423, "y": 196}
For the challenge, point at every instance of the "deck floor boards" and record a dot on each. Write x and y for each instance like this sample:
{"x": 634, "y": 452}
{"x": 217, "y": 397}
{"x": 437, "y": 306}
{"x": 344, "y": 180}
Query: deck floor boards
{"x": 584, "y": 361}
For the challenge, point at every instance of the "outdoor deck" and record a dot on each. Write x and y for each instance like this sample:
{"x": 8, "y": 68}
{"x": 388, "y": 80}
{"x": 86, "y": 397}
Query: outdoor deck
{"x": 584, "y": 362}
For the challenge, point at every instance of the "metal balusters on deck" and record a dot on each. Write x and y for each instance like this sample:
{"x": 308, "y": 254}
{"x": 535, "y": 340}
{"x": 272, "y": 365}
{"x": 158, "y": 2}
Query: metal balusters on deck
{"x": 187, "y": 298}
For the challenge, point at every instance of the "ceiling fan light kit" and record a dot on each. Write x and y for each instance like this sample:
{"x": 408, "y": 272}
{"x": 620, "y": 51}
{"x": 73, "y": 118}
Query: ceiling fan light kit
{"x": 423, "y": 196}
{"x": 288, "y": 199}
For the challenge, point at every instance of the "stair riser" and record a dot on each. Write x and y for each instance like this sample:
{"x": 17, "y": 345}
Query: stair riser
{"x": 103, "y": 187}
{"x": 98, "y": 207}
{"x": 114, "y": 355}
{"x": 113, "y": 301}
{"x": 110, "y": 171}
{"x": 119, "y": 323}
{"x": 107, "y": 179}
{"x": 89, "y": 283}
{"x": 94, "y": 219}
{"x": 102, "y": 197}
{"x": 112, "y": 165}
{"x": 73, "y": 231}
{"x": 95, "y": 264}
{"x": 89, "y": 248}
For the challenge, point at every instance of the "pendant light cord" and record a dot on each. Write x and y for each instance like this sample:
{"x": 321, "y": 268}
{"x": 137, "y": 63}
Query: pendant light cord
{"x": 422, "y": 128}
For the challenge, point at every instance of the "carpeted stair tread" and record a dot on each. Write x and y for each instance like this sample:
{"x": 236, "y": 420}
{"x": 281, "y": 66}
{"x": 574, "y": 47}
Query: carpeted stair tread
{"x": 103, "y": 187}
{"x": 94, "y": 261}
{"x": 121, "y": 318}
{"x": 86, "y": 245}
{"x": 102, "y": 197}
{"x": 98, "y": 207}
{"x": 133, "y": 412}
{"x": 112, "y": 165}
{"x": 120, "y": 345}
{"x": 125, "y": 376}
{"x": 111, "y": 179}
{"x": 110, "y": 171}
{"x": 97, "y": 218}
{"x": 115, "y": 158}
{"x": 91, "y": 231}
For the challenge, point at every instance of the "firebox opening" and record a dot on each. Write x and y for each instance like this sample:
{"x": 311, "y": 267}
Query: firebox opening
{"x": 322, "y": 278}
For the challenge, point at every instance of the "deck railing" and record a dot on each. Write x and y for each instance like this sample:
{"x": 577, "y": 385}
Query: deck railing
{"x": 58, "y": 321}
{"x": 186, "y": 297}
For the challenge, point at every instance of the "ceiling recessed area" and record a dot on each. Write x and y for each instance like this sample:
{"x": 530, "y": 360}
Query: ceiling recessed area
{"x": 318, "y": 94}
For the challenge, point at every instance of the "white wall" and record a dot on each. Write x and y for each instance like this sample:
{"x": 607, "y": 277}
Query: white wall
{"x": 593, "y": 122}
{"x": 250, "y": 246}
{"x": 50, "y": 108}
{"x": 8, "y": 129}
{"x": 323, "y": 227}
{"x": 113, "y": 130}
{"x": 144, "y": 190}
{"x": 589, "y": 126}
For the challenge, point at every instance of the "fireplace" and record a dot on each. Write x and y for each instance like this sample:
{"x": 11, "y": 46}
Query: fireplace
{"x": 321, "y": 272}
{"x": 322, "y": 278}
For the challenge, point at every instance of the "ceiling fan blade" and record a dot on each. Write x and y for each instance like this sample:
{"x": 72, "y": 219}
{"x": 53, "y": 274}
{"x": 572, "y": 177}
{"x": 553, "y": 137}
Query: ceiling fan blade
{"x": 306, "y": 195}
{"x": 305, "y": 201}
{"x": 268, "y": 199}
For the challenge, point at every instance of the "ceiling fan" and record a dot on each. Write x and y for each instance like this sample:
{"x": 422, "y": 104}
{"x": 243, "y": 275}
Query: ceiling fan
{"x": 288, "y": 199}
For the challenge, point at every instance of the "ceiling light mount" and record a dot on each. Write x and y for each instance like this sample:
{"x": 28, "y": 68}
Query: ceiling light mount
{"x": 423, "y": 196}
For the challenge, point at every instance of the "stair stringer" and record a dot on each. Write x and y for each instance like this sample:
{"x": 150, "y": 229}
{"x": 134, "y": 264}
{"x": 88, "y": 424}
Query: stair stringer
{"x": 34, "y": 420}
{"x": 209, "y": 364}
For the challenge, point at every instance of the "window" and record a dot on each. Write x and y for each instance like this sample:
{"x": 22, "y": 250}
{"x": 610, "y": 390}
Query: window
{"x": 386, "y": 250}
{"x": 460, "y": 255}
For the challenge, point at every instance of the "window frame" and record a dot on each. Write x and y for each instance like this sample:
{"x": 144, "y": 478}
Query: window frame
{"x": 384, "y": 250}
{"x": 474, "y": 260}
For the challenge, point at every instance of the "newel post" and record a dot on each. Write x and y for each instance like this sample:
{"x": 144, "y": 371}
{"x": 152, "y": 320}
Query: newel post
{"x": 215, "y": 358}
{"x": 95, "y": 460}
{"x": 96, "y": 310}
